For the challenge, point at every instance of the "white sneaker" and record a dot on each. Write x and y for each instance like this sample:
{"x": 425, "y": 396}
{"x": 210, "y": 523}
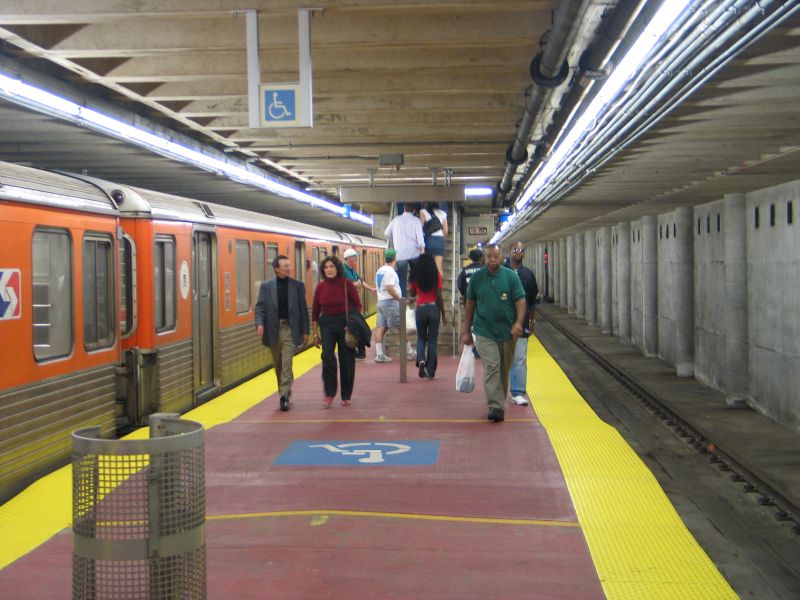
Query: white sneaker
{"x": 519, "y": 399}
{"x": 411, "y": 355}
{"x": 382, "y": 358}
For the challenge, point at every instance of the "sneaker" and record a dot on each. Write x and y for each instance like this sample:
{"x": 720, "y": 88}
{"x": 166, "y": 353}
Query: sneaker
{"x": 284, "y": 403}
{"x": 411, "y": 355}
{"x": 382, "y": 358}
{"x": 422, "y": 371}
{"x": 519, "y": 399}
{"x": 496, "y": 415}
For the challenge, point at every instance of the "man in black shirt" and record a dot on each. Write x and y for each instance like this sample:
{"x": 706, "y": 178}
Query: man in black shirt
{"x": 282, "y": 322}
{"x": 519, "y": 368}
{"x": 476, "y": 256}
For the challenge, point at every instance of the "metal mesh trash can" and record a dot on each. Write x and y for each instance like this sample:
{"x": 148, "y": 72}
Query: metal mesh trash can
{"x": 138, "y": 512}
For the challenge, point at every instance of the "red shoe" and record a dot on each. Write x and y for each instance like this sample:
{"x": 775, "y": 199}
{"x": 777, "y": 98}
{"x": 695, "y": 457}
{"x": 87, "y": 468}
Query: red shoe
{"x": 326, "y": 403}
{"x": 345, "y": 402}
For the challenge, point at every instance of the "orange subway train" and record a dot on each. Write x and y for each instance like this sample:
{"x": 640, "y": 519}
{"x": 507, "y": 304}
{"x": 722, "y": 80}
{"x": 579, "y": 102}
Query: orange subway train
{"x": 118, "y": 302}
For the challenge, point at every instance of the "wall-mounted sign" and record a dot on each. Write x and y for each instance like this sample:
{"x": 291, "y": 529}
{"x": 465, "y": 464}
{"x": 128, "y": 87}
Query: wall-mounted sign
{"x": 478, "y": 231}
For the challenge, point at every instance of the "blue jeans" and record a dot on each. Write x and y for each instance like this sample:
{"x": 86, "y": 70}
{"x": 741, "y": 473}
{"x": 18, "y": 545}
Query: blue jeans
{"x": 428, "y": 317}
{"x": 402, "y": 274}
{"x": 518, "y": 377}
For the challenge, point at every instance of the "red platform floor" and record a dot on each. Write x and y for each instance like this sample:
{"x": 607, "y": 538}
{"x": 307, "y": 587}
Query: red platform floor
{"x": 491, "y": 518}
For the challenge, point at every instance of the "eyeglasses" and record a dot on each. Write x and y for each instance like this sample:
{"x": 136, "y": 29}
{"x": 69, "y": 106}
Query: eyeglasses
{"x": 518, "y": 251}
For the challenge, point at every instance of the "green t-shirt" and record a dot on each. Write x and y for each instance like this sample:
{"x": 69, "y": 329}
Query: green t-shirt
{"x": 495, "y": 296}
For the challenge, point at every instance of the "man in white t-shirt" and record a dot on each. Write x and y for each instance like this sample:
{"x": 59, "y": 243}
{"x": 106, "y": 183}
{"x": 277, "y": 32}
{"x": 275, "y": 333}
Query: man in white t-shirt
{"x": 405, "y": 233}
{"x": 387, "y": 284}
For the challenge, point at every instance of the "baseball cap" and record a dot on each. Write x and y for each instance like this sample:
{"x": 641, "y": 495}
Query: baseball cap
{"x": 350, "y": 252}
{"x": 389, "y": 253}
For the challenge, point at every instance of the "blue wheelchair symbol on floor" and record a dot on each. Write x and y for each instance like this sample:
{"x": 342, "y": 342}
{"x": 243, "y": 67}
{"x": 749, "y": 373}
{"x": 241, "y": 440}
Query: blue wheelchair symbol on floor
{"x": 280, "y": 106}
{"x": 402, "y": 452}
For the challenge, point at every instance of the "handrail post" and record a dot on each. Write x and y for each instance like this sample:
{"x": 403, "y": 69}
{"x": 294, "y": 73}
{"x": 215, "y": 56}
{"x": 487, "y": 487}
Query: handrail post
{"x": 402, "y": 341}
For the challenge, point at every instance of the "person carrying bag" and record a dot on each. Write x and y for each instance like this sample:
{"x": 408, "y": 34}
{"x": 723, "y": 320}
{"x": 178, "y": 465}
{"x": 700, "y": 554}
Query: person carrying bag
{"x": 330, "y": 316}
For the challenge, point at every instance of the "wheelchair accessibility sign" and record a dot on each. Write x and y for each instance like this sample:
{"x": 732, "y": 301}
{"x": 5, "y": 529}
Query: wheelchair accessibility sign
{"x": 280, "y": 105}
{"x": 360, "y": 453}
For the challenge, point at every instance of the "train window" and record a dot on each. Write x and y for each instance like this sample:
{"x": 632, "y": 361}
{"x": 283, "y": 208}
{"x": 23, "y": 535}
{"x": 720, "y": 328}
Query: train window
{"x": 127, "y": 286}
{"x": 164, "y": 283}
{"x": 98, "y": 292}
{"x": 272, "y": 254}
{"x": 300, "y": 261}
{"x": 314, "y": 267}
{"x": 242, "y": 276}
{"x": 52, "y": 294}
{"x": 259, "y": 268}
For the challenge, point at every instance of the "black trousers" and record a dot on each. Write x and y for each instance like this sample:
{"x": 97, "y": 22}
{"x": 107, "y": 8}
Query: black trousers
{"x": 332, "y": 334}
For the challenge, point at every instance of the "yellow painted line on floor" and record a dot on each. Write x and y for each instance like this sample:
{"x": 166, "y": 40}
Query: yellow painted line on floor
{"x": 639, "y": 545}
{"x": 378, "y": 420}
{"x": 383, "y": 515}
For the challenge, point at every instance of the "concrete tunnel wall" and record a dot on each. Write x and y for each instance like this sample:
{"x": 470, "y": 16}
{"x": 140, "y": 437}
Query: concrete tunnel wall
{"x": 713, "y": 290}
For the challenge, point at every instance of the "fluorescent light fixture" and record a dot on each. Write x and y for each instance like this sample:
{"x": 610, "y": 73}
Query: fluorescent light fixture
{"x": 52, "y": 104}
{"x": 478, "y": 191}
{"x": 623, "y": 72}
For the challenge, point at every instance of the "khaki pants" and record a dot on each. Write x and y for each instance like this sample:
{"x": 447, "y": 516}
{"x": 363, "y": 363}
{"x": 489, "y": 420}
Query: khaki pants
{"x": 282, "y": 354}
{"x": 497, "y": 358}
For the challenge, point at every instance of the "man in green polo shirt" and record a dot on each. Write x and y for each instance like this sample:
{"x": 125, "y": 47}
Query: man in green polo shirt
{"x": 495, "y": 311}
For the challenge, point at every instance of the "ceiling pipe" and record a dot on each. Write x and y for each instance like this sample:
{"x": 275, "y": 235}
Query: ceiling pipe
{"x": 712, "y": 35}
{"x": 706, "y": 51}
{"x": 549, "y": 69}
{"x": 595, "y": 64}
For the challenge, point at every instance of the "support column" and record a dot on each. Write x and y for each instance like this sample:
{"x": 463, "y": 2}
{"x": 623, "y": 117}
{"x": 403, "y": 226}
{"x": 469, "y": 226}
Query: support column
{"x": 580, "y": 276}
{"x": 624, "y": 281}
{"x": 684, "y": 292}
{"x": 571, "y": 274}
{"x": 737, "y": 367}
{"x": 562, "y": 273}
{"x": 555, "y": 266}
{"x": 547, "y": 258}
{"x": 591, "y": 278}
{"x": 605, "y": 280}
{"x": 650, "y": 284}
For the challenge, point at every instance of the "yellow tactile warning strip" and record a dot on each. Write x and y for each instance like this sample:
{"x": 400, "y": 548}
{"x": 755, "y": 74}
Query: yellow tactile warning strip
{"x": 44, "y": 508}
{"x": 384, "y": 515}
{"x": 639, "y": 545}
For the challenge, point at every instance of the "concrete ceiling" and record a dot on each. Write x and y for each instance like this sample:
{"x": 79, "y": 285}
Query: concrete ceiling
{"x": 442, "y": 83}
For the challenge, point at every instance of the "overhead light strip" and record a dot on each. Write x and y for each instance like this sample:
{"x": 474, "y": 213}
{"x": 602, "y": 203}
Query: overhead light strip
{"x": 661, "y": 22}
{"x": 43, "y": 101}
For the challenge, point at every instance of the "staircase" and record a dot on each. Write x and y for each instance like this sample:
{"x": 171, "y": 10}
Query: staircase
{"x": 448, "y": 334}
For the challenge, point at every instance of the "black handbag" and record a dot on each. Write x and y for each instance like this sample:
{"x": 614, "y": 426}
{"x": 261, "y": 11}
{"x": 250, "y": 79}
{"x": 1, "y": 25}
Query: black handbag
{"x": 350, "y": 340}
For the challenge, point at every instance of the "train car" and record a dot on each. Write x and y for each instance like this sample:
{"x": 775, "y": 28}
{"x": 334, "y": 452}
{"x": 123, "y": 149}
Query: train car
{"x": 117, "y": 302}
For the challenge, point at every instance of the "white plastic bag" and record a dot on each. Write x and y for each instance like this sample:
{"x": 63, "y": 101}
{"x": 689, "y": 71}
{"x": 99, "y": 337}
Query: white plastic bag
{"x": 411, "y": 320}
{"x": 465, "y": 376}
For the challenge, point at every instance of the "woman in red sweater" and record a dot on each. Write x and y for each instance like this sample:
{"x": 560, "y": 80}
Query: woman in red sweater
{"x": 328, "y": 320}
{"x": 425, "y": 282}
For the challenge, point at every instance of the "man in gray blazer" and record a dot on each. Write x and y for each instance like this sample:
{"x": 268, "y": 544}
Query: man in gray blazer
{"x": 282, "y": 322}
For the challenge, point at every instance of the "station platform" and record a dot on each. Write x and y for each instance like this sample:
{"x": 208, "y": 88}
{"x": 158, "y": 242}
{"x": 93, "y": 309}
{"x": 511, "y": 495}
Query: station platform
{"x": 408, "y": 493}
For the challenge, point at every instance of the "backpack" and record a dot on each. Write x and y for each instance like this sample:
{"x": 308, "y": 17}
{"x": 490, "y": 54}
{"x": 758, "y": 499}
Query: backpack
{"x": 432, "y": 225}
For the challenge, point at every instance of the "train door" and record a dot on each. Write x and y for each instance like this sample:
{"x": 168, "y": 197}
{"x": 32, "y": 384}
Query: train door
{"x": 204, "y": 328}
